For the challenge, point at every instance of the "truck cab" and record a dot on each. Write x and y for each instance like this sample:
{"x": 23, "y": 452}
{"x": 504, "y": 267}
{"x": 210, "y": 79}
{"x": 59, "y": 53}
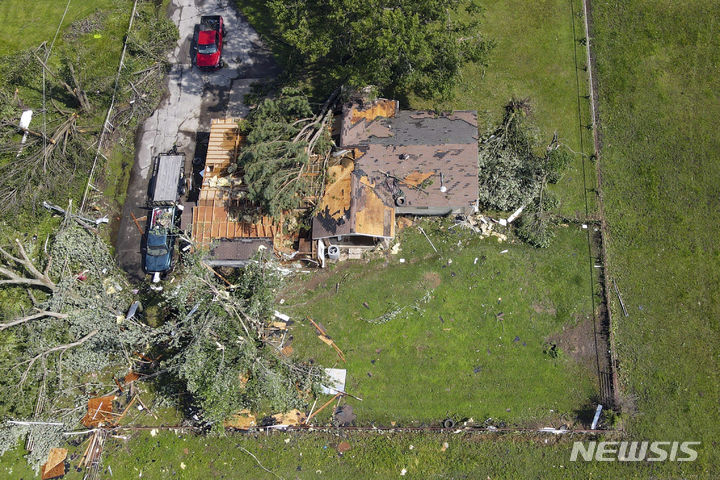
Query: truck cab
{"x": 160, "y": 240}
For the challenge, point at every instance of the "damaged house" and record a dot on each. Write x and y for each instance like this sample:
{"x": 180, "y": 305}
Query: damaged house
{"x": 215, "y": 221}
{"x": 396, "y": 162}
{"x": 389, "y": 162}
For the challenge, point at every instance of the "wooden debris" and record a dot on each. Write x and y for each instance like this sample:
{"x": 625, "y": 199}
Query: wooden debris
{"x": 55, "y": 465}
{"x": 322, "y": 408}
{"x": 243, "y": 420}
{"x": 99, "y": 412}
{"x": 326, "y": 339}
{"x": 293, "y": 417}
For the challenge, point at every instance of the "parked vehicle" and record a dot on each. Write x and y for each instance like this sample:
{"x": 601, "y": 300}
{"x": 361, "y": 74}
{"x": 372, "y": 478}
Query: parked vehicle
{"x": 166, "y": 187}
{"x": 209, "y": 46}
{"x": 160, "y": 240}
{"x": 168, "y": 180}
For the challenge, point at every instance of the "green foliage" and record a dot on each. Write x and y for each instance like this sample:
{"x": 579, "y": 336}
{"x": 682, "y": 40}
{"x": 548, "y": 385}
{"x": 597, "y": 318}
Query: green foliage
{"x": 45, "y": 437}
{"x": 401, "y": 46}
{"x": 215, "y": 348}
{"x": 508, "y": 175}
{"x": 535, "y": 228}
{"x": 273, "y": 160}
{"x": 512, "y": 174}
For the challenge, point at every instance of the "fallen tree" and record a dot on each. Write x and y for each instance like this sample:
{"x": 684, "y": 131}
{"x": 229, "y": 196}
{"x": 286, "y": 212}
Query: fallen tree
{"x": 283, "y": 138}
{"x": 215, "y": 343}
{"x": 513, "y": 173}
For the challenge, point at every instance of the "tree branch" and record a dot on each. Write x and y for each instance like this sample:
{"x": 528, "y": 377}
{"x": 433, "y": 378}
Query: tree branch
{"x": 63, "y": 347}
{"x": 40, "y": 279}
{"x": 28, "y": 318}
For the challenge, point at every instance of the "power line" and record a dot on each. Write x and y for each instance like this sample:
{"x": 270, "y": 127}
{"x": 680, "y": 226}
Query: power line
{"x": 110, "y": 108}
{"x": 47, "y": 56}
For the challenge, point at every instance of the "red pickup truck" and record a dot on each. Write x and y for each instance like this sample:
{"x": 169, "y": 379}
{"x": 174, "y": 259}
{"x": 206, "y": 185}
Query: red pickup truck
{"x": 211, "y": 32}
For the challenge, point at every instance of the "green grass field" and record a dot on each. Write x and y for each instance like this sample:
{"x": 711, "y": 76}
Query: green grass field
{"x": 533, "y": 58}
{"x": 657, "y": 66}
{"x": 455, "y": 356}
{"x": 659, "y": 105}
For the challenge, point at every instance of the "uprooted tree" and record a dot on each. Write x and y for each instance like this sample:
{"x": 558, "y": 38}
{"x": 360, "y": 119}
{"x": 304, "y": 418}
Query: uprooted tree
{"x": 402, "y": 46}
{"x": 283, "y": 138}
{"x": 514, "y": 174}
{"x": 216, "y": 345}
{"x": 74, "y": 328}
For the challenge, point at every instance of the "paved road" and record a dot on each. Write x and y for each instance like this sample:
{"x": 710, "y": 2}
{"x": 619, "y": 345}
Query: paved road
{"x": 193, "y": 99}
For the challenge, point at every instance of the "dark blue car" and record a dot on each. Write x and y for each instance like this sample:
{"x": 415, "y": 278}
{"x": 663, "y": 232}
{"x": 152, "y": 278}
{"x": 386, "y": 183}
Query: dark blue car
{"x": 160, "y": 240}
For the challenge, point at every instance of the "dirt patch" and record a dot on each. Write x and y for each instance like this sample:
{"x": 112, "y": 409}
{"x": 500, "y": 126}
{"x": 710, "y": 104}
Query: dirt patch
{"x": 578, "y": 341}
{"x": 432, "y": 279}
{"x": 540, "y": 308}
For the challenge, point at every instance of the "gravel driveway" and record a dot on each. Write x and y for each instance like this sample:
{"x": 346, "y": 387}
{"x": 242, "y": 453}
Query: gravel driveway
{"x": 193, "y": 99}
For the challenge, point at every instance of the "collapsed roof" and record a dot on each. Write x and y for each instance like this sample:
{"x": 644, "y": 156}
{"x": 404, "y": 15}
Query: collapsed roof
{"x": 412, "y": 162}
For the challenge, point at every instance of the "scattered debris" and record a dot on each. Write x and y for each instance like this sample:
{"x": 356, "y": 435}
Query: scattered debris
{"x": 406, "y": 310}
{"x": 622, "y": 304}
{"x": 428, "y": 239}
{"x": 55, "y": 465}
{"x": 99, "y": 412}
{"x": 281, "y": 316}
{"x": 243, "y": 420}
{"x": 343, "y": 447}
{"x": 395, "y": 249}
{"x": 322, "y": 335}
{"x": 293, "y": 417}
{"x": 344, "y": 416}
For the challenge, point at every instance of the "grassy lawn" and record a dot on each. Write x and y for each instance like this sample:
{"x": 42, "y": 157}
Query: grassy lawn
{"x": 533, "y": 58}
{"x": 659, "y": 106}
{"x": 27, "y": 24}
{"x": 299, "y": 456}
{"x": 454, "y": 355}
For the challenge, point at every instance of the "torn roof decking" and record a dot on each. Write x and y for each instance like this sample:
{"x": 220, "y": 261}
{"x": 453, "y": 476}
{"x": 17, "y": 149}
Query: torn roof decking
{"x": 350, "y": 206}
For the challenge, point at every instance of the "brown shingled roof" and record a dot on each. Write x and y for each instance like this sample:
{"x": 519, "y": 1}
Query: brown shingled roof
{"x": 408, "y": 154}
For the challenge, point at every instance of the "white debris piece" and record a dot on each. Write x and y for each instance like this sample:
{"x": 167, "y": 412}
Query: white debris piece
{"x": 515, "y": 214}
{"x": 281, "y": 316}
{"x": 336, "y": 381}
